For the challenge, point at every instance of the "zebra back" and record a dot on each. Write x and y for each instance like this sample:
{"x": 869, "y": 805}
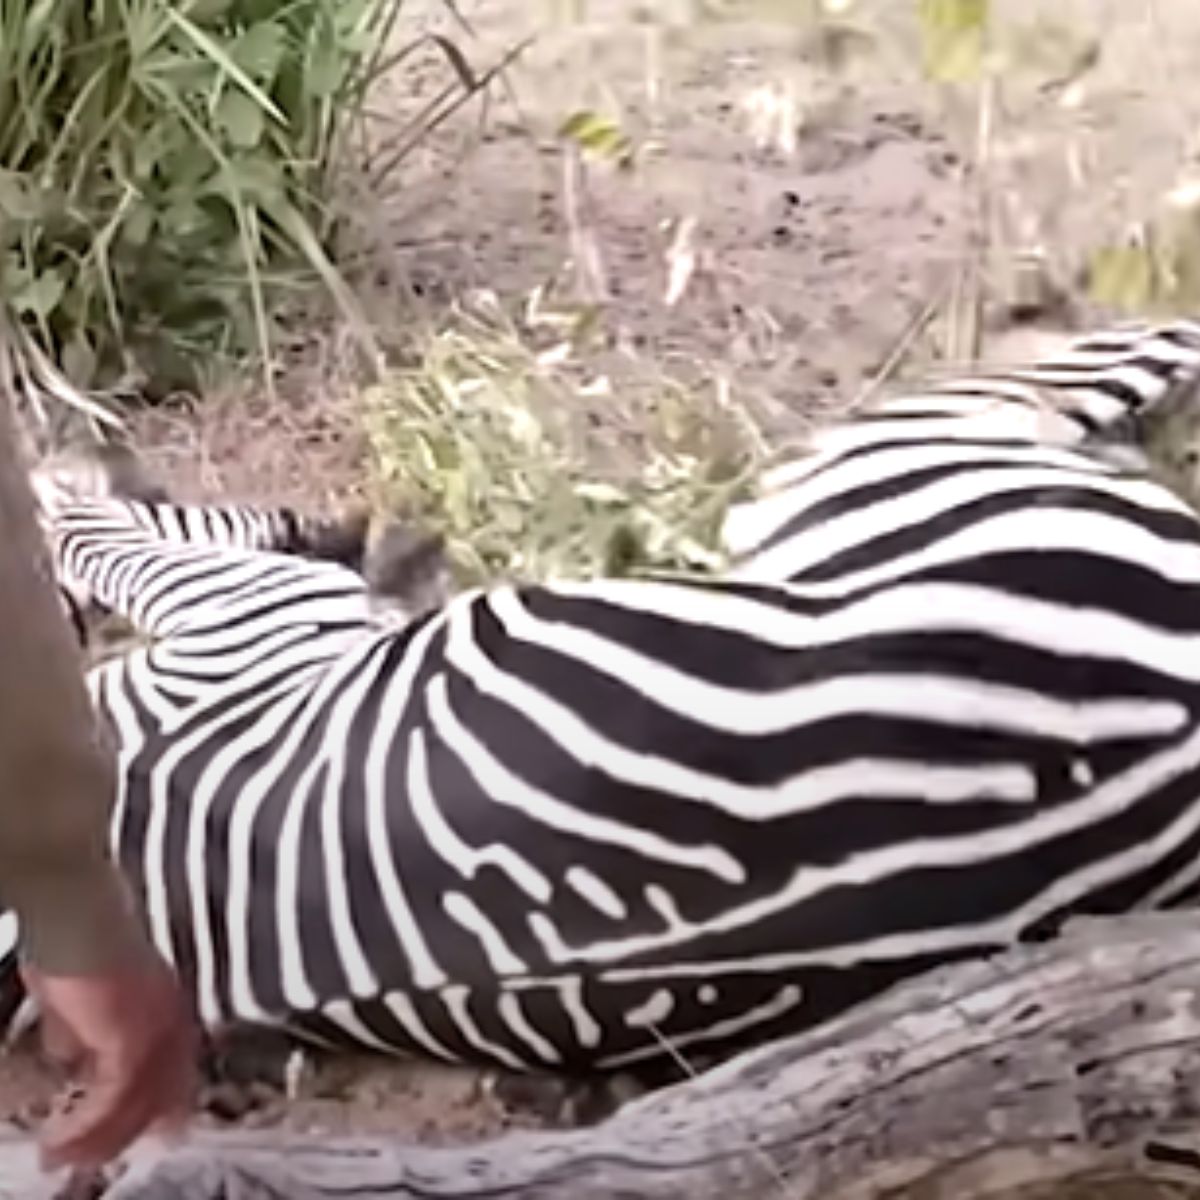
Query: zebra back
{"x": 1081, "y": 410}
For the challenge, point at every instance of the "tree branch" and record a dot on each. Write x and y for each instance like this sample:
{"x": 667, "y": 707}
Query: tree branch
{"x": 1075, "y": 1064}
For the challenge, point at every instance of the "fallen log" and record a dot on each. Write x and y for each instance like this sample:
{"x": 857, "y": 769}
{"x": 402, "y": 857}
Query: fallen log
{"x": 1069, "y": 1068}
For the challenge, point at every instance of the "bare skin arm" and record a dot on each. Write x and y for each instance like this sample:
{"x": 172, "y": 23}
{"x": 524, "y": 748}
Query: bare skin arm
{"x": 111, "y": 1007}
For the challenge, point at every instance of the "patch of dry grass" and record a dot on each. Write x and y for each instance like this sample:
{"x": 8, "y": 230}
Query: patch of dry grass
{"x": 303, "y": 447}
{"x": 533, "y": 463}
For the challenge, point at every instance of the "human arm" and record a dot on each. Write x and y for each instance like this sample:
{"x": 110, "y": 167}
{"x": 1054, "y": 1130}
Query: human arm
{"x": 108, "y": 1001}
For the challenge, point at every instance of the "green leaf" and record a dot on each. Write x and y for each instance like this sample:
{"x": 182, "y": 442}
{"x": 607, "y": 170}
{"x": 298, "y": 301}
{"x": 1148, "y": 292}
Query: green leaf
{"x": 184, "y": 170}
{"x": 240, "y": 118}
{"x": 256, "y": 180}
{"x": 79, "y": 360}
{"x": 260, "y": 50}
{"x": 597, "y": 135}
{"x": 954, "y": 36}
{"x": 182, "y": 73}
{"x": 18, "y": 197}
{"x": 183, "y": 220}
{"x": 16, "y": 273}
{"x": 205, "y": 11}
{"x": 149, "y": 149}
{"x": 214, "y": 51}
{"x": 325, "y": 68}
{"x": 138, "y": 224}
{"x": 39, "y": 297}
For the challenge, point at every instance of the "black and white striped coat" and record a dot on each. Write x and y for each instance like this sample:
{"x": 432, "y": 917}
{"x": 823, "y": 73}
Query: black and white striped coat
{"x": 948, "y": 694}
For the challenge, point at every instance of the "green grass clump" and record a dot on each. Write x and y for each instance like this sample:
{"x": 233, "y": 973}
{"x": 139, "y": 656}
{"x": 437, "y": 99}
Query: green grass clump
{"x": 534, "y": 468}
{"x": 163, "y": 169}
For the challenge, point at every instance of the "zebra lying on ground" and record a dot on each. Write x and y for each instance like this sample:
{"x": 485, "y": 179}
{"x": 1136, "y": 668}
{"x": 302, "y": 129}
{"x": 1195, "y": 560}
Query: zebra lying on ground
{"x": 947, "y": 696}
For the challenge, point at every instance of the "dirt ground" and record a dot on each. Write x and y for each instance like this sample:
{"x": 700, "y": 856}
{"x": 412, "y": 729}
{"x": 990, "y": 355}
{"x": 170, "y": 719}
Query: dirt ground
{"x": 820, "y": 214}
{"x": 824, "y": 216}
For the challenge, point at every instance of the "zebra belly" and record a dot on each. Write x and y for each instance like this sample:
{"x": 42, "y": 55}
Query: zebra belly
{"x": 691, "y": 963}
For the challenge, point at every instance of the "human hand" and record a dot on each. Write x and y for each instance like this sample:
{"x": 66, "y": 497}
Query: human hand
{"x": 126, "y": 1036}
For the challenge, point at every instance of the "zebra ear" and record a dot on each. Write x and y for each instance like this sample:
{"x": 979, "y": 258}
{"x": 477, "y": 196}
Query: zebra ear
{"x": 407, "y": 565}
{"x": 402, "y": 563}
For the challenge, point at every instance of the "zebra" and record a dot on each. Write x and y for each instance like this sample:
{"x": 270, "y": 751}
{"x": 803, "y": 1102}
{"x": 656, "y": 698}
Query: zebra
{"x": 945, "y": 697}
{"x": 398, "y": 559}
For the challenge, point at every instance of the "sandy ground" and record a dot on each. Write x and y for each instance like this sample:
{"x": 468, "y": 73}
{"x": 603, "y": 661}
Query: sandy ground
{"x": 822, "y": 216}
{"x": 822, "y": 213}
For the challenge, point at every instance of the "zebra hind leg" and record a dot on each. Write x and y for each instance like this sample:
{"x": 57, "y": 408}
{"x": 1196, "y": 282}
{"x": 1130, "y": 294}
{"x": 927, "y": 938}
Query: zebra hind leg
{"x": 404, "y": 564}
{"x": 95, "y": 470}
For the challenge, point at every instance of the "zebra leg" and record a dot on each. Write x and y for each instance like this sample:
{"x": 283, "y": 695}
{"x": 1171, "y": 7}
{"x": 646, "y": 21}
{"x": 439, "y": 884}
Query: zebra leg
{"x": 1081, "y": 407}
{"x": 201, "y": 578}
{"x": 116, "y": 474}
{"x": 402, "y": 563}
{"x": 1093, "y": 391}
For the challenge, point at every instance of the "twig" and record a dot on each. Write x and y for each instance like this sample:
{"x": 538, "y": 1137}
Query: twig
{"x": 900, "y": 350}
{"x": 778, "y": 1179}
{"x": 585, "y": 249}
{"x": 429, "y": 119}
{"x": 469, "y": 29}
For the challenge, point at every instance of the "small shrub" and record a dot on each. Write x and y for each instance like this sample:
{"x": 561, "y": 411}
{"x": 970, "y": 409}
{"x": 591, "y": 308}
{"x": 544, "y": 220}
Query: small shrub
{"x": 163, "y": 168}
{"x": 533, "y": 468}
